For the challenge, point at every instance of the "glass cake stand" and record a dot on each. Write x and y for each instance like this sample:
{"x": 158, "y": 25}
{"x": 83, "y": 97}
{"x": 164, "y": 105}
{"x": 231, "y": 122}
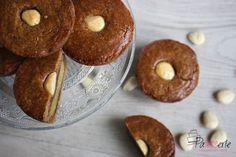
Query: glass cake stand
{"x": 78, "y": 100}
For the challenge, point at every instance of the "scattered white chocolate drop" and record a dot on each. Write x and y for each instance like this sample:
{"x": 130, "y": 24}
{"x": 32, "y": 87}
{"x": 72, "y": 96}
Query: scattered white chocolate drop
{"x": 130, "y": 84}
{"x": 184, "y": 142}
{"x": 210, "y": 120}
{"x": 197, "y": 38}
{"x": 225, "y": 96}
{"x": 165, "y": 71}
{"x": 95, "y": 23}
{"x": 31, "y": 17}
{"x": 86, "y": 82}
{"x": 219, "y": 136}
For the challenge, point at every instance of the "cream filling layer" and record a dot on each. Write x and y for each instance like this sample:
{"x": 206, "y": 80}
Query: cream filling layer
{"x": 56, "y": 98}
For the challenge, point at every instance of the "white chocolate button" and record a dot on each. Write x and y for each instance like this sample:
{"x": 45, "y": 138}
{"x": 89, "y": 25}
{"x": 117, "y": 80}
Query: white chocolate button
{"x": 219, "y": 136}
{"x": 130, "y": 84}
{"x": 95, "y": 23}
{"x": 225, "y": 97}
{"x": 165, "y": 71}
{"x": 86, "y": 82}
{"x": 143, "y": 147}
{"x": 210, "y": 120}
{"x": 50, "y": 83}
{"x": 197, "y": 38}
{"x": 31, "y": 17}
{"x": 184, "y": 142}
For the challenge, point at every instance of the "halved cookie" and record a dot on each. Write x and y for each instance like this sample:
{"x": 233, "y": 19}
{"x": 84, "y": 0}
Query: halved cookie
{"x": 103, "y": 30}
{"x": 152, "y": 137}
{"x": 35, "y": 28}
{"x": 38, "y": 86}
{"x": 9, "y": 62}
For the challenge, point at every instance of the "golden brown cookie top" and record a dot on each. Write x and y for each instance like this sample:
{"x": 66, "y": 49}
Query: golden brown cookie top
{"x": 167, "y": 70}
{"x": 103, "y": 30}
{"x": 35, "y": 28}
{"x": 157, "y": 138}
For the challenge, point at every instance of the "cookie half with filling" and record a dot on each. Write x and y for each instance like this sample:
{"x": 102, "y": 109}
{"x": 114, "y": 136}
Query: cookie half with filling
{"x": 38, "y": 85}
{"x": 152, "y": 137}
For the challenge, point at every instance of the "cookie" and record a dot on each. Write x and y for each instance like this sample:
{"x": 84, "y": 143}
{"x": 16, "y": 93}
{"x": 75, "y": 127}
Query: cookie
{"x": 167, "y": 70}
{"x": 38, "y": 84}
{"x": 9, "y": 62}
{"x": 35, "y": 28}
{"x": 152, "y": 137}
{"x": 103, "y": 31}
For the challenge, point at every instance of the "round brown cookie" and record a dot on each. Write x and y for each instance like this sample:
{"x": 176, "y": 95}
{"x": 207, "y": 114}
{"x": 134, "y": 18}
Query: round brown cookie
{"x": 38, "y": 84}
{"x": 176, "y": 78}
{"x": 153, "y": 138}
{"x": 46, "y": 37}
{"x": 90, "y": 47}
{"x": 9, "y": 62}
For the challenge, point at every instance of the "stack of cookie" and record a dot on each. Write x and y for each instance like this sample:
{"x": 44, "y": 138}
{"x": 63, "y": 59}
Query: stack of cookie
{"x": 35, "y": 35}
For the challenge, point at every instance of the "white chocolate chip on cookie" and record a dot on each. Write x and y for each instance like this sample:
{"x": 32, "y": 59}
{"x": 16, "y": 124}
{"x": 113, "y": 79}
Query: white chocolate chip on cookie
{"x": 31, "y": 17}
{"x": 50, "y": 83}
{"x": 165, "y": 70}
{"x": 95, "y": 23}
{"x": 143, "y": 146}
